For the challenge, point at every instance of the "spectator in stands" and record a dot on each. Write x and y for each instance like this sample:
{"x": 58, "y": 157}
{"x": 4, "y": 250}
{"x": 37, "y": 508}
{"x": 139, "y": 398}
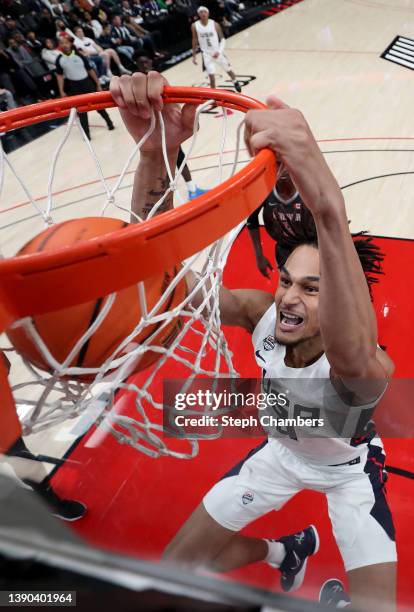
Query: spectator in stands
{"x": 93, "y": 25}
{"x": 11, "y": 27}
{"x": 7, "y": 65}
{"x": 126, "y": 9}
{"x": 21, "y": 41}
{"x": 143, "y": 34}
{"x": 107, "y": 41}
{"x": 90, "y": 48}
{"x": 50, "y": 53}
{"x": 151, "y": 7}
{"x": 33, "y": 43}
{"x": 7, "y": 100}
{"x": 137, "y": 11}
{"x": 14, "y": 77}
{"x": 122, "y": 34}
{"x": 56, "y": 9}
{"x": 76, "y": 76}
{"x": 62, "y": 30}
{"x": 19, "y": 53}
{"x": 46, "y": 27}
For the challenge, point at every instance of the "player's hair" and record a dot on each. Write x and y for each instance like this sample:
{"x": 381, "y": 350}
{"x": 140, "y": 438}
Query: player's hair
{"x": 292, "y": 235}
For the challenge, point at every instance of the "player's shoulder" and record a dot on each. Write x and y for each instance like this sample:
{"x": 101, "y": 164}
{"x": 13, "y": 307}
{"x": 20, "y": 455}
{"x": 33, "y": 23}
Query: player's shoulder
{"x": 259, "y": 303}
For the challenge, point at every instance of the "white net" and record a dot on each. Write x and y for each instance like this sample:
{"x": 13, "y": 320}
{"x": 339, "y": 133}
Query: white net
{"x": 112, "y": 395}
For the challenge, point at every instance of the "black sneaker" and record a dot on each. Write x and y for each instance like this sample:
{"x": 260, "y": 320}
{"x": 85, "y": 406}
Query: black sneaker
{"x": 237, "y": 86}
{"x": 299, "y": 547}
{"x": 65, "y": 509}
{"x": 69, "y": 510}
{"x": 333, "y": 594}
{"x": 111, "y": 126}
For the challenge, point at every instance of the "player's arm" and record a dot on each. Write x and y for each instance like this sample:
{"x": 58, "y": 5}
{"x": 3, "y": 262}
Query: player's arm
{"x": 220, "y": 36}
{"x": 135, "y": 96}
{"x": 253, "y": 227}
{"x": 194, "y": 42}
{"x": 347, "y": 319}
{"x": 238, "y": 307}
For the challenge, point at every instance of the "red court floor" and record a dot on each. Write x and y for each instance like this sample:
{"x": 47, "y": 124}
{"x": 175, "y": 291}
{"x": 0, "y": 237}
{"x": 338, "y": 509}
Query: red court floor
{"x": 136, "y": 504}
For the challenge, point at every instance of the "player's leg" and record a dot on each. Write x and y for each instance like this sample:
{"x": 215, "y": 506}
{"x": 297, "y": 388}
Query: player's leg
{"x": 203, "y": 542}
{"x": 259, "y": 483}
{"x": 225, "y": 64}
{"x": 107, "y": 119}
{"x": 364, "y": 531}
{"x": 208, "y": 65}
{"x": 192, "y": 189}
{"x": 373, "y": 588}
{"x": 83, "y": 118}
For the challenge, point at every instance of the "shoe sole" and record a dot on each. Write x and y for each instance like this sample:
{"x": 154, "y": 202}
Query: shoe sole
{"x": 300, "y": 576}
{"x": 327, "y": 582}
{"x": 68, "y": 520}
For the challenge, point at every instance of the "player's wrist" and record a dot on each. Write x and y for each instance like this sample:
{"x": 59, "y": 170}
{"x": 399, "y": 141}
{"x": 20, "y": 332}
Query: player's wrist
{"x": 157, "y": 155}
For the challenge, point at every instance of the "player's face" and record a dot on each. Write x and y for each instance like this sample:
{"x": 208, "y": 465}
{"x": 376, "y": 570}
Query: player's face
{"x": 297, "y": 297}
{"x": 203, "y": 15}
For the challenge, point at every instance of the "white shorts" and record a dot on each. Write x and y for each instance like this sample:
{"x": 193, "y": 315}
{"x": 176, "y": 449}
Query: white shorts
{"x": 271, "y": 474}
{"x": 221, "y": 60}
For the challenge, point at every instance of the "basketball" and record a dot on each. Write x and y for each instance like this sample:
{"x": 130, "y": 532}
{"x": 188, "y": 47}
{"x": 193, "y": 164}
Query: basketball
{"x": 60, "y": 330}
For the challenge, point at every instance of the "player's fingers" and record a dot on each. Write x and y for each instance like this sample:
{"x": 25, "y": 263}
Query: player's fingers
{"x": 116, "y": 93}
{"x": 127, "y": 93}
{"x": 247, "y": 136}
{"x": 258, "y": 141}
{"x": 138, "y": 83}
{"x": 155, "y": 86}
{"x": 275, "y": 103}
{"x": 188, "y": 113}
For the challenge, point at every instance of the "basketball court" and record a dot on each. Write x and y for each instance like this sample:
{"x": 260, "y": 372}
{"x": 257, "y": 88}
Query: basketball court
{"x": 323, "y": 58}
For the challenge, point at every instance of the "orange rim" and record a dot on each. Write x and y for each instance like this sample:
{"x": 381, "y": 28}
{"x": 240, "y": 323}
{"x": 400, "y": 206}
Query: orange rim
{"x": 43, "y": 282}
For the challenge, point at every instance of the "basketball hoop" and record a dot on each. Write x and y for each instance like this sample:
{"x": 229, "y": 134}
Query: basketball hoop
{"x": 46, "y": 282}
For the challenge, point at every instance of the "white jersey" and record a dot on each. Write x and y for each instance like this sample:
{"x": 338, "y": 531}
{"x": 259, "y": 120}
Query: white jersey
{"x": 208, "y": 39}
{"x": 310, "y": 394}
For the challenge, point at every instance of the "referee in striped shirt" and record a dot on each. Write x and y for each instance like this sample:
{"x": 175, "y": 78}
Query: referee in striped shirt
{"x": 75, "y": 76}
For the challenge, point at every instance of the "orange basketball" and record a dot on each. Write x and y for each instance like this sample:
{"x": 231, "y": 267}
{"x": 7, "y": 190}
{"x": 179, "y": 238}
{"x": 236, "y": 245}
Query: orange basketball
{"x": 60, "y": 330}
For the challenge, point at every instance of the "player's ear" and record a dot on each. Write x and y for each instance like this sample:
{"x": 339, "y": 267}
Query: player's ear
{"x": 275, "y": 103}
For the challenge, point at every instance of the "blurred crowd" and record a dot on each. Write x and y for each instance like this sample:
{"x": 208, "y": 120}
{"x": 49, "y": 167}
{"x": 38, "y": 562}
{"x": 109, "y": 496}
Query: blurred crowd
{"x": 112, "y": 34}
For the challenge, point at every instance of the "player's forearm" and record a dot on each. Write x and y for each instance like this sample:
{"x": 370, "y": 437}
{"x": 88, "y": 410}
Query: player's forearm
{"x": 151, "y": 182}
{"x": 347, "y": 319}
{"x": 254, "y": 233}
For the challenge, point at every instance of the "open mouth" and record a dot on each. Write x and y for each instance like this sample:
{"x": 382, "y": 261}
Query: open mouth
{"x": 290, "y": 321}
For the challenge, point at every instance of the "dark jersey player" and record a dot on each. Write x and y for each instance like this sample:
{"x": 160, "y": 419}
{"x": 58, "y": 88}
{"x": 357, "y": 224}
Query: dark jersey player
{"x": 282, "y": 209}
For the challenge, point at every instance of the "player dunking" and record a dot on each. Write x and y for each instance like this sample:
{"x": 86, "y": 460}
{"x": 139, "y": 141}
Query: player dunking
{"x": 208, "y": 35}
{"x": 324, "y": 334}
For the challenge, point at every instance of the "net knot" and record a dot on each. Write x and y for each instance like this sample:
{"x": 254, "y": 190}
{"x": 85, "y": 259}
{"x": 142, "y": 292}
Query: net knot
{"x": 173, "y": 186}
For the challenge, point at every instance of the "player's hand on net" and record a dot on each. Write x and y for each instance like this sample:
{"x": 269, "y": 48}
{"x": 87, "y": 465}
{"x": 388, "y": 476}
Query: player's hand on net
{"x": 286, "y": 132}
{"x": 137, "y": 96}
